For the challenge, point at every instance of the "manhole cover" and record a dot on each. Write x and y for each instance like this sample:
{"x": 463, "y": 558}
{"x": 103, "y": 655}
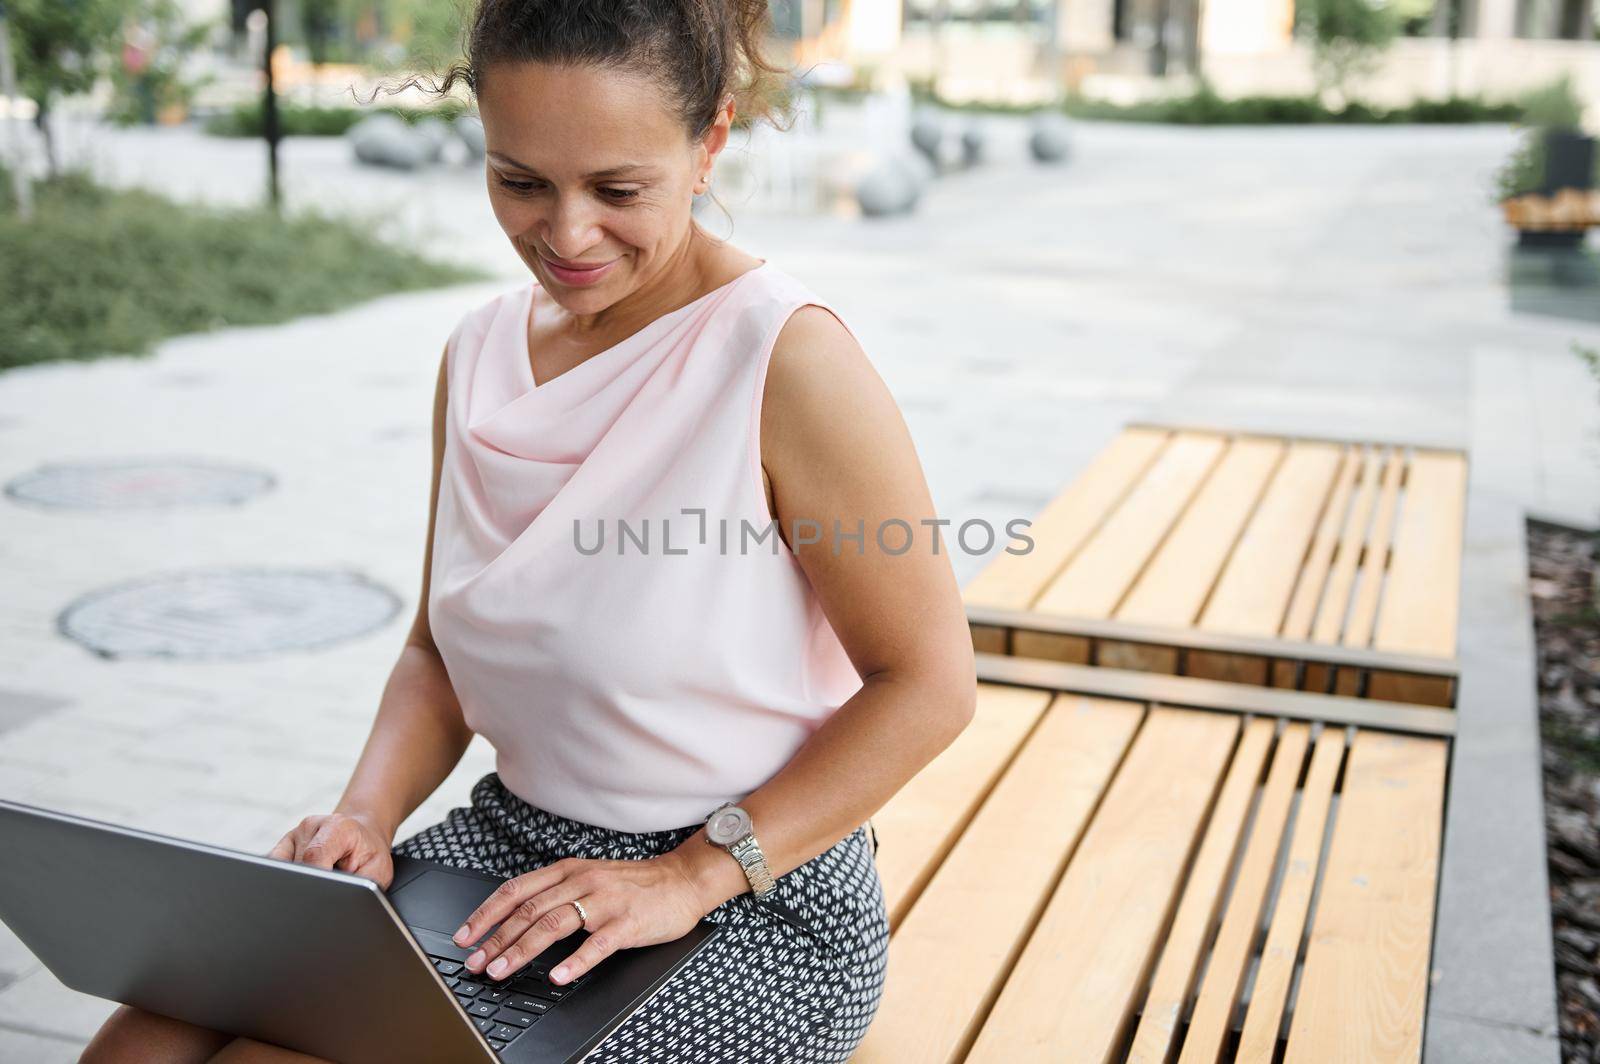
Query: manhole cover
{"x": 116, "y": 485}
{"x": 228, "y": 613}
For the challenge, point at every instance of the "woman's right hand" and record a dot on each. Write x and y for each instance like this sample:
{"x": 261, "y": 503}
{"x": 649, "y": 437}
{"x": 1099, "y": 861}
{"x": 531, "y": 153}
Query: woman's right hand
{"x": 342, "y": 841}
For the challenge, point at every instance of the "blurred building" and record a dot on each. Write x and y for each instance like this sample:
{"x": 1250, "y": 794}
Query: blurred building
{"x": 1009, "y": 49}
{"x": 1022, "y": 50}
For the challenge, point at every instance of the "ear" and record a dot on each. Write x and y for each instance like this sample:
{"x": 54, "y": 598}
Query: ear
{"x": 716, "y": 137}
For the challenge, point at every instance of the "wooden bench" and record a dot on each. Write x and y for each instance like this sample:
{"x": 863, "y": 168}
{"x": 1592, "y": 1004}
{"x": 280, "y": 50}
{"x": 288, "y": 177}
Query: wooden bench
{"x": 1196, "y": 873}
{"x": 1310, "y": 564}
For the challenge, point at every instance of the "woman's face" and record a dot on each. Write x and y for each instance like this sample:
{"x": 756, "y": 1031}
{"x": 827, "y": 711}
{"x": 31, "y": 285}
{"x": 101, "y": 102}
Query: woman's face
{"x": 587, "y": 167}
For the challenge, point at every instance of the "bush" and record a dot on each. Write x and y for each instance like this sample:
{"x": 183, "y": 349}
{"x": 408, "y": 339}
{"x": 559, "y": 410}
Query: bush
{"x": 1347, "y": 37}
{"x": 1555, "y": 106}
{"x": 99, "y": 272}
{"x": 301, "y": 120}
{"x": 1205, "y": 107}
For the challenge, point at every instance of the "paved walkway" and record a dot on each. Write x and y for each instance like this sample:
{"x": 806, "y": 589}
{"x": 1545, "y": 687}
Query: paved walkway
{"x": 1338, "y": 281}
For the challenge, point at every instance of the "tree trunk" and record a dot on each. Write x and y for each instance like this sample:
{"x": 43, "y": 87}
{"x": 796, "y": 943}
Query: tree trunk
{"x": 41, "y": 120}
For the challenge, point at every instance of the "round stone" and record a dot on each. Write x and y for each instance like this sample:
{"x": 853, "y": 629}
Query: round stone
{"x": 137, "y": 483}
{"x": 384, "y": 140}
{"x": 228, "y": 613}
{"x": 434, "y": 135}
{"x": 926, "y": 134}
{"x": 973, "y": 143}
{"x": 470, "y": 129}
{"x": 1048, "y": 141}
{"x": 916, "y": 168}
{"x": 887, "y": 189}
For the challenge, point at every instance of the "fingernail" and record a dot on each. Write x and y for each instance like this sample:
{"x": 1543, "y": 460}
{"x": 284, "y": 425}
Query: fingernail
{"x": 559, "y": 975}
{"x": 461, "y": 935}
{"x": 498, "y": 966}
{"x": 475, "y": 959}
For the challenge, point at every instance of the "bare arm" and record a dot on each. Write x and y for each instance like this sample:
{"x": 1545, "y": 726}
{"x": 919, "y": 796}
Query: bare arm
{"x": 835, "y": 446}
{"x": 419, "y": 734}
{"x": 417, "y": 737}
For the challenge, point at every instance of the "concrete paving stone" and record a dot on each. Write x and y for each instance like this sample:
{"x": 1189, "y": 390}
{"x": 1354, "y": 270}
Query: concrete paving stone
{"x": 1458, "y": 1040}
{"x": 19, "y": 707}
{"x": 39, "y": 1003}
{"x": 16, "y": 959}
{"x": 22, "y": 1044}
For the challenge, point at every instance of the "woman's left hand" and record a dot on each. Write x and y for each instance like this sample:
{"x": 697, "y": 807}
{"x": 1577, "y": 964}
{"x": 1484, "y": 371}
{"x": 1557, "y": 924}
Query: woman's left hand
{"x": 629, "y": 903}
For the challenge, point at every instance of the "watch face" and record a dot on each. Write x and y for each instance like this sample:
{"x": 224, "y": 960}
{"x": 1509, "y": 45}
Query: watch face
{"x": 728, "y": 825}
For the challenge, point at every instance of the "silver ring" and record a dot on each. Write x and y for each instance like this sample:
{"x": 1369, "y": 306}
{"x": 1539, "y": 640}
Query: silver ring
{"x": 583, "y": 916}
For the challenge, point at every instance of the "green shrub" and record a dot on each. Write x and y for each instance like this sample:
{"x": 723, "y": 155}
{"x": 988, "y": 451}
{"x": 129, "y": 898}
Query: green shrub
{"x": 302, "y": 120}
{"x": 99, "y": 272}
{"x": 1347, "y": 37}
{"x": 1554, "y": 106}
{"x": 1205, "y": 107}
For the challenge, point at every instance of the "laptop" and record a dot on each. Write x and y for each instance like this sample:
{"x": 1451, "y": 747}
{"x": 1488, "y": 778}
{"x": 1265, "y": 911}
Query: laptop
{"x": 324, "y": 962}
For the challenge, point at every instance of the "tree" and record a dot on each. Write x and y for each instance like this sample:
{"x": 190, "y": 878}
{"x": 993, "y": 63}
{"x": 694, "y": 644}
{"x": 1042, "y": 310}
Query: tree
{"x": 322, "y": 22}
{"x": 1347, "y": 37}
{"x": 159, "y": 39}
{"x": 61, "y": 48}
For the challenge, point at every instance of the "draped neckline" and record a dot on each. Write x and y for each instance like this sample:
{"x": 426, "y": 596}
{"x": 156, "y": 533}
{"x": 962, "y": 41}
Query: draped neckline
{"x": 646, "y": 332}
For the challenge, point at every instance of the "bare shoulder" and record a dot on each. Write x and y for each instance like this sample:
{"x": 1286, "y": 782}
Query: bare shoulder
{"x": 828, "y": 419}
{"x": 817, "y": 364}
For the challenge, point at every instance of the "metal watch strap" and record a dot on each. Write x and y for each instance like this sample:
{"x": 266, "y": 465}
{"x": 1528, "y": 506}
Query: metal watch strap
{"x": 747, "y": 851}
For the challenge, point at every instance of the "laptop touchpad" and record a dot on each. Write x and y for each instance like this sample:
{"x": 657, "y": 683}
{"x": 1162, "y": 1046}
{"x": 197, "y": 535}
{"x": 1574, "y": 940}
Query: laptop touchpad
{"x": 440, "y": 901}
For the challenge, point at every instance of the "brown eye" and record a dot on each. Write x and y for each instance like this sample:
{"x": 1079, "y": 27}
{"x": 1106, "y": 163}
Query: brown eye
{"x": 517, "y": 186}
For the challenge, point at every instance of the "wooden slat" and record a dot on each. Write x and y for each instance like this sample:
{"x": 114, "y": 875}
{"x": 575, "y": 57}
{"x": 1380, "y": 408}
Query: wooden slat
{"x": 1317, "y": 569}
{"x": 1219, "y": 993}
{"x": 987, "y": 639}
{"x": 1421, "y": 599}
{"x": 1335, "y": 605}
{"x": 1363, "y": 991}
{"x": 1050, "y": 646}
{"x": 1072, "y": 991}
{"x": 1095, "y": 581}
{"x": 952, "y": 952}
{"x": 1013, "y": 581}
{"x": 919, "y": 824}
{"x": 1202, "y": 898}
{"x": 1262, "y": 1021}
{"x": 1411, "y": 687}
{"x": 1375, "y": 559}
{"x": 1253, "y": 594}
{"x": 1175, "y": 584}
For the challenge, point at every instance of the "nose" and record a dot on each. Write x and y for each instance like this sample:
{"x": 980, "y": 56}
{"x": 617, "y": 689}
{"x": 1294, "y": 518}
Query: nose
{"x": 570, "y": 229}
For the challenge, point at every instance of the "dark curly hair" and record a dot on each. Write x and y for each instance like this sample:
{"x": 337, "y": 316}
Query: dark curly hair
{"x": 699, "y": 50}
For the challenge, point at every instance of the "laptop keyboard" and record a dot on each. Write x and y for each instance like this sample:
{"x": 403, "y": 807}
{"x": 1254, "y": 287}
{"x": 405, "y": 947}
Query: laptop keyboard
{"x": 504, "y": 1008}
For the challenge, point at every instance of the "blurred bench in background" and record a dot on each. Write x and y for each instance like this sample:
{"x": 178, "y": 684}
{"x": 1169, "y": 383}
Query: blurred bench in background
{"x": 1301, "y": 563}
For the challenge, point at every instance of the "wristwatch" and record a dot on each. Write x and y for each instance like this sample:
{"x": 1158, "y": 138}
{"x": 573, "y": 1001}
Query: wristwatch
{"x": 729, "y": 828}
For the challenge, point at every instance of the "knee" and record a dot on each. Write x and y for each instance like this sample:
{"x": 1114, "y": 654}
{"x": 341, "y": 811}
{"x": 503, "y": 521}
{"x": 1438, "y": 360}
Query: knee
{"x": 134, "y": 1036}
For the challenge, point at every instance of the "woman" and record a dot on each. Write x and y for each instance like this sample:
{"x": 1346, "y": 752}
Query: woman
{"x": 651, "y": 377}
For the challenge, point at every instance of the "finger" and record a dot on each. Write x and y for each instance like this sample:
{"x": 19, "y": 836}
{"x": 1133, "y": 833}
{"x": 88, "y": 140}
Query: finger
{"x": 289, "y": 845}
{"x": 356, "y": 844}
{"x": 525, "y": 916}
{"x": 323, "y": 849}
{"x": 602, "y": 942}
{"x": 535, "y": 923}
{"x": 507, "y": 896}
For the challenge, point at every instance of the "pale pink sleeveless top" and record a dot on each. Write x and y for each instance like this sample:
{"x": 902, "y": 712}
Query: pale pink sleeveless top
{"x": 640, "y": 686}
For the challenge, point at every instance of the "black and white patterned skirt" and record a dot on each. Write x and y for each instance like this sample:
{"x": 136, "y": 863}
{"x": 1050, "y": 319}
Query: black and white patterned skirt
{"x": 762, "y": 991}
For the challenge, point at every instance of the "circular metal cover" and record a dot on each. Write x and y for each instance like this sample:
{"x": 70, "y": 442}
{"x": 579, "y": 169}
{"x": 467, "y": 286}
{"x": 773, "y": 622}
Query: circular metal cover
{"x": 133, "y": 483}
{"x": 228, "y": 613}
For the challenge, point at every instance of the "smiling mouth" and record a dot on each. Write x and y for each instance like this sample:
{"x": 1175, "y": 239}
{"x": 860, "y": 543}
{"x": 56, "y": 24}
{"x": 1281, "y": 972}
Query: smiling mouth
{"x": 579, "y": 267}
